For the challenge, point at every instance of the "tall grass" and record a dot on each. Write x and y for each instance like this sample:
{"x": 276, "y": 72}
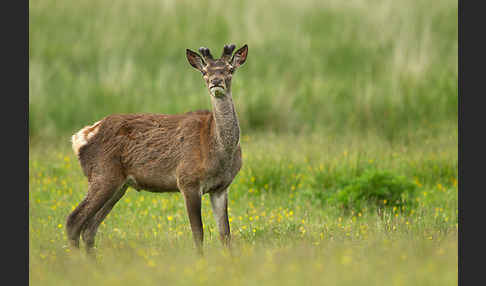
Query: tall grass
{"x": 365, "y": 66}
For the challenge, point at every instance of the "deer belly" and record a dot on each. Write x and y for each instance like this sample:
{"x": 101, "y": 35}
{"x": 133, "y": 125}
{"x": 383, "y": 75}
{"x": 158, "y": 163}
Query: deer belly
{"x": 158, "y": 184}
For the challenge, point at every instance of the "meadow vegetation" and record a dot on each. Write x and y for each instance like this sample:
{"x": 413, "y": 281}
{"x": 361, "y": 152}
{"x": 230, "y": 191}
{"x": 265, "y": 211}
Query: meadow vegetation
{"x": 348, "y": 111}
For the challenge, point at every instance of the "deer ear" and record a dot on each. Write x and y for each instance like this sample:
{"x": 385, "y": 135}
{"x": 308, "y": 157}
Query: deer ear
{"x": 240, "y": 56}
{"x": 195, "y": 60}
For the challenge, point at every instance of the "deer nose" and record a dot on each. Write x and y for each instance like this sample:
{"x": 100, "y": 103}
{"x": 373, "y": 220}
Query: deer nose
{"x": 216, "y": 81}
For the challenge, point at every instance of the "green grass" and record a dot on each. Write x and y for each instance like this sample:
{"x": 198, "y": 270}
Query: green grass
{"x": 283, "y": 230}
{"x": 362, "y": 66}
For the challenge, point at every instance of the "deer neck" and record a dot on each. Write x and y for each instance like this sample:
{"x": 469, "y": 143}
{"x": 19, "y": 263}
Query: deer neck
{"x": 225, "y": 124}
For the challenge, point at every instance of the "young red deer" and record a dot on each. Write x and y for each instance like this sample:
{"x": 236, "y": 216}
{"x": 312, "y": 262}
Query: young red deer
{"x": 193, "y": 153}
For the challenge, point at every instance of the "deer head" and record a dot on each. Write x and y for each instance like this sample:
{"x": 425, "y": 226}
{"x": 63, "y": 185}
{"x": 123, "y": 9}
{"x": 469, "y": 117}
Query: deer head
{"x": 217, "y": 73}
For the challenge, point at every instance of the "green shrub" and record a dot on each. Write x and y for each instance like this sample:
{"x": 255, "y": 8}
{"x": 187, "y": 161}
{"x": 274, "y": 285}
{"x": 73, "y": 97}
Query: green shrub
{"x": 376, "y": 189}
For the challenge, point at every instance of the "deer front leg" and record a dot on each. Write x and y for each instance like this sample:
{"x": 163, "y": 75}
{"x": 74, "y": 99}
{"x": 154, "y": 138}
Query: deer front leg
{"x": 192, "y": 198}
{"x": 219, "y": 203}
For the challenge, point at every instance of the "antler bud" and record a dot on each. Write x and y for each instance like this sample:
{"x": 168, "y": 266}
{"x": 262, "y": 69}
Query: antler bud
{"x": 206, "y": 53}
{"x": 227, "y": 52}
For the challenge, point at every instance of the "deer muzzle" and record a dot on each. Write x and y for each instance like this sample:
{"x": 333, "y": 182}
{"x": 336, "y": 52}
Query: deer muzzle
{"x": 218, "y": 91}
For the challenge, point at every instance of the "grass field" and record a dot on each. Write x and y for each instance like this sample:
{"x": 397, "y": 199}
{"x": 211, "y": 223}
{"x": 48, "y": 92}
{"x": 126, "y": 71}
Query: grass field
{"x": 365, "y": 66}
{"x": 283, "y": 233}
{"x": 331, "y": 91}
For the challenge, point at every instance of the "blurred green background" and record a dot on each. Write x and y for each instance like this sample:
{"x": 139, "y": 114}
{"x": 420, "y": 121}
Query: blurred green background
{"x": 333, "y": 67}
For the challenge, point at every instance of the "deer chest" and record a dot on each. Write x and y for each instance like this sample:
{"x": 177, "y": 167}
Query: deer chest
{"x": 221, "y": 174}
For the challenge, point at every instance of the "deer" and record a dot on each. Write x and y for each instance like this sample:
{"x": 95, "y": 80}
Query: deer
{"x": 194, "y": 153}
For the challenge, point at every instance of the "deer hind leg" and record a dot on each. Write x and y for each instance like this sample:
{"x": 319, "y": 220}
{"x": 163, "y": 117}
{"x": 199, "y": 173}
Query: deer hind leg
{"x": 90, "y": 228}
{"x": 219, "y": 203}
{"x": 99, "y": 192}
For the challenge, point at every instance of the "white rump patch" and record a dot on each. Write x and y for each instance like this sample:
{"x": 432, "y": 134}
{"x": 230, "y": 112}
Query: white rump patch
{"x": 82, "y": 137}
